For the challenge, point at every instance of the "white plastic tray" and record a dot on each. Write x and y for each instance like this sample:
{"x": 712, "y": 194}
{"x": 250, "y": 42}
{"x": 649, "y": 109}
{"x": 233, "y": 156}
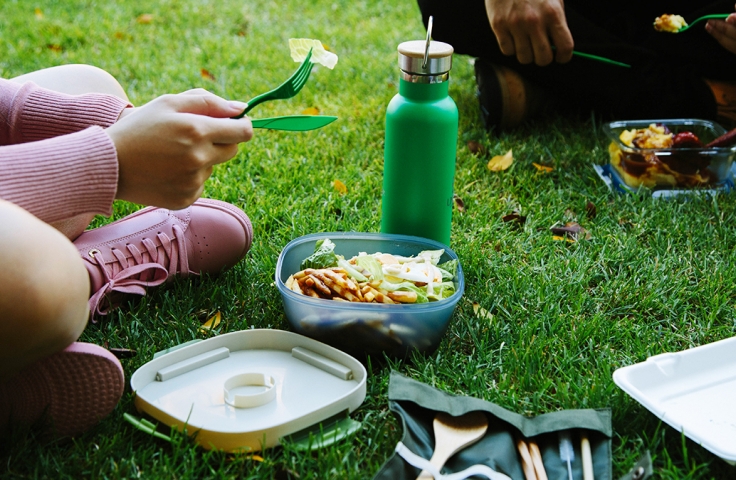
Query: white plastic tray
{"x": 694, "y": 391}
{"x": 245, "y": 390}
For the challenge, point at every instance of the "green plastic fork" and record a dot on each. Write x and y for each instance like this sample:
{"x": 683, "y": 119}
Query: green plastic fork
{"x": 719, "y": 16}
{"x": 287, "y": 89}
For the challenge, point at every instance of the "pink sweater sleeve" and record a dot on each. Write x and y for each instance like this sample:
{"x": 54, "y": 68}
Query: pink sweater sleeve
{"x": 55, "y": 159}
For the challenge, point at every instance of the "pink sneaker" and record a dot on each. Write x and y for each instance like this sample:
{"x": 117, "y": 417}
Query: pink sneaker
{"x": 152, "y": 245}
{"x": 75, "y": 388}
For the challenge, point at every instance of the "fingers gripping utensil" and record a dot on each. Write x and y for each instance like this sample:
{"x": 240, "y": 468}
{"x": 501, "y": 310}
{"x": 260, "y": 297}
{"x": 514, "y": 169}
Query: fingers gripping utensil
{"x": 288, "y": 89}
{"x": 452, "y": 434}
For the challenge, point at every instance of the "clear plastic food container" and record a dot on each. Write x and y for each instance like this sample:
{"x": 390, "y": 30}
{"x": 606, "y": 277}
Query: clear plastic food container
{"x": 671, "y": 167}
{"x": 362, "y": 329}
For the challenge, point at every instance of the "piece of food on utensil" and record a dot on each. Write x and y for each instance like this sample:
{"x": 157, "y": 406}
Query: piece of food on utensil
{"x": 641, "y": 165}
{"x": 299, "y": 48}
{"x": 728, "y": 139}
{"x": 374, "y": 278}
{"x": 669, "y": 23}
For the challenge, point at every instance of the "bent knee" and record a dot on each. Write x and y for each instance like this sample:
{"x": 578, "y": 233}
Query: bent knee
{"x": 44, "y": 283}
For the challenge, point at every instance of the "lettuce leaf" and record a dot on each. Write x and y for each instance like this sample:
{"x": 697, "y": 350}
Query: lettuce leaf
{"x": 392, "y": 287}
{"x": 323, "y": 256}
{"x": 369, "y": 263}
{"x": 441, "y": 291}
{"x": 448, "y": 269}
{"x": 351, "y": 271}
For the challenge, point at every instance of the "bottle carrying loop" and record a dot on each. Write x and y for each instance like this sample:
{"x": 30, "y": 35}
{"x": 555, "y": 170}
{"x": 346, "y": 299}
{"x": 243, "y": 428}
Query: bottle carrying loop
{"x": 429, "y": 39}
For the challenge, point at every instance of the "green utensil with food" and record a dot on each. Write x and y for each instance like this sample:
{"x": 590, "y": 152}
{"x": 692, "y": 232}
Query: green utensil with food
{"x": 288, "y": 89}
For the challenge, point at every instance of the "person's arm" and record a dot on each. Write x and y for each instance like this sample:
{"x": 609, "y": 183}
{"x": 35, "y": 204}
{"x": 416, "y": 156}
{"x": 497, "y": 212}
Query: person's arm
{"x": 724, "y": 31}
{"x": 158, "y": 154}
{"x": 61, "y": 177}
{"x": 29, "y": 112}
{"x": 529, "y": 29}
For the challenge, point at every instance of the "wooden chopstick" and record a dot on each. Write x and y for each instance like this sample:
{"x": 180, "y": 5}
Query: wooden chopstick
{"x": 536, "y": 455}
{"x": 526, "y": 460}
{"x": 586, "y": 456}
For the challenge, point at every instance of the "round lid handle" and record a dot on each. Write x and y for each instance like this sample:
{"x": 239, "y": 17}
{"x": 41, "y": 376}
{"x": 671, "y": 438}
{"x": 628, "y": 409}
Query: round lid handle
{"x": 250, "y": 399}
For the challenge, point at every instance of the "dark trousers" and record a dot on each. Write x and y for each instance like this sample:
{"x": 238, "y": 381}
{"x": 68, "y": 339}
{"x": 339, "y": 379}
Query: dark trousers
{"x": 667, "y": 70}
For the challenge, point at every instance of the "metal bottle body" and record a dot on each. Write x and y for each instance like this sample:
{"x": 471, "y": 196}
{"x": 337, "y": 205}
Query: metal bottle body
{"x": 419, "y": 161}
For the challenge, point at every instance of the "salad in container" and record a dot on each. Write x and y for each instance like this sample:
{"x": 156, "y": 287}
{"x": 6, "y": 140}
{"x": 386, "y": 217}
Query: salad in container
{"x": 368, "y": 293}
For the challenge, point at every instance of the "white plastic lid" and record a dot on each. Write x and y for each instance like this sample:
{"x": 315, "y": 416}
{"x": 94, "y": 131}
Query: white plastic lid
{"x": 245, "y": 390}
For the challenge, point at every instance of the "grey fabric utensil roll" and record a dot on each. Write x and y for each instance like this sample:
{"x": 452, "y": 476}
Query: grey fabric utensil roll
{"x": 416, "y": 405}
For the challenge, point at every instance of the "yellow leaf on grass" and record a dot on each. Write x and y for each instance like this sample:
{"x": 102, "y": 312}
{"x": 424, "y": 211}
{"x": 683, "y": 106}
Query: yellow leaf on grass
{"x": 144, "y": 18}
{"x": 481, "y": 312}
{"x": 211, "y": 323}
{"x": 562, "y": 239}
{"x": 38, "y": 13}
{"x": 206, "y": 74}
{"x": 311, "y": 111}
{"x": 501, "y": 162}
{"x": 256, "y": 458}
{"x": 543, "y": 168}
{"x": 340, "y": 187}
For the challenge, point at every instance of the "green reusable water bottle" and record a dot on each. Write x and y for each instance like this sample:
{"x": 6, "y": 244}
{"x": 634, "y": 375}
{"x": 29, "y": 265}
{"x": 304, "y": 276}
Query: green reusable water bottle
{"x": 420, "y": 144}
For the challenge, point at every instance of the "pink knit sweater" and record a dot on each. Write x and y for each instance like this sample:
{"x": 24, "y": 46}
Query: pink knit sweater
{"x": 56, "y": 161}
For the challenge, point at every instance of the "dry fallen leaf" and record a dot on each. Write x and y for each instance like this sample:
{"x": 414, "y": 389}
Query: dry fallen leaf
{"x": 123, "y": 352}
{"x": 206, "y": 74}
{"x": 591, "y": 210}
{"x": 340, "y": 187}
{"x": 481, "y": 312}
{"x": 476, "y": 148}
{"x": 311, "y": 111}
{"x": 501, "y": 162}
{"x": 543, "y": 168}
{"x": 562, "y": 239}
{"x": 144, "y": 18}
{"x": 515, "y": 217}
{"x": 38, "y": 13}
{"x": 572, "y": 231}
{"x": 211, "y": 323}
{"x": 54, "y": 47}
{"x": 459, "y": 203}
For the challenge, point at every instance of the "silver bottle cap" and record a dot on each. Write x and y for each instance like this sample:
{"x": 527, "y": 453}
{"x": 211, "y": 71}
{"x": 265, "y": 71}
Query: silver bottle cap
{"x": 418, "y": 57}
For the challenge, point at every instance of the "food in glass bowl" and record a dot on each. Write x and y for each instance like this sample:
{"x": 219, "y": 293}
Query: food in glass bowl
{"x": 669, "y": 153}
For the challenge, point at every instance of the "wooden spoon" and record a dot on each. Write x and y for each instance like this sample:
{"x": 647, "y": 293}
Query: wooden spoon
{"x": 452, "y": 434}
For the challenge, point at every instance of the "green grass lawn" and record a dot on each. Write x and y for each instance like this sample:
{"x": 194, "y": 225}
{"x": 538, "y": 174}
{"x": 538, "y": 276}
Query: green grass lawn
{"x": 655, "y": 276}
